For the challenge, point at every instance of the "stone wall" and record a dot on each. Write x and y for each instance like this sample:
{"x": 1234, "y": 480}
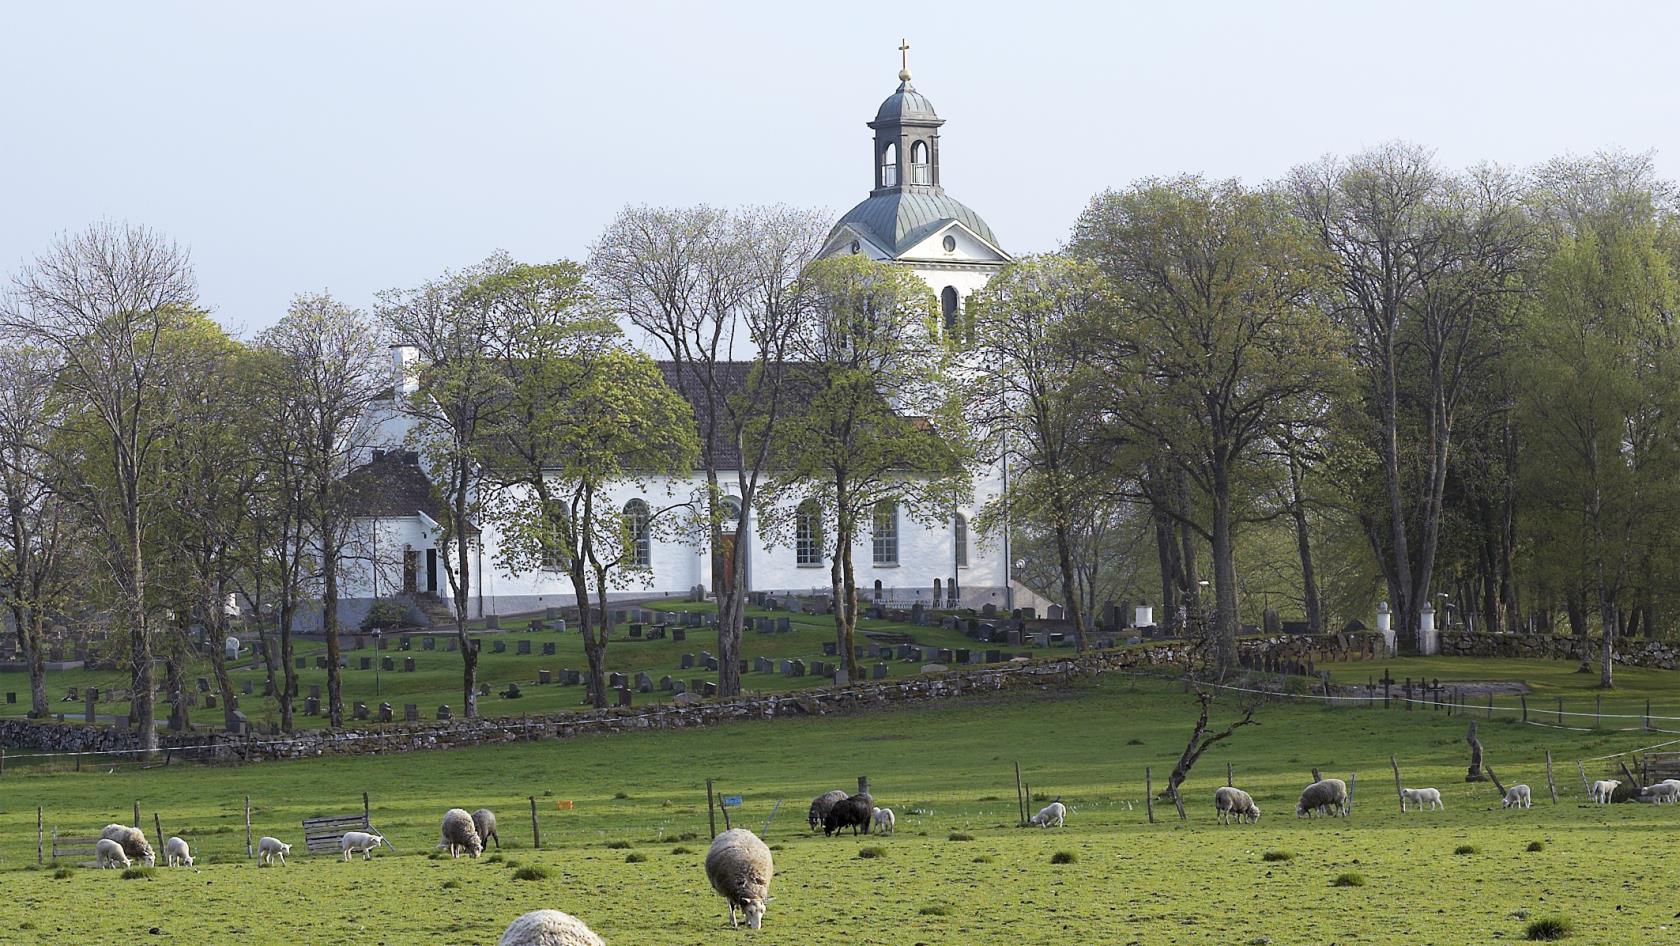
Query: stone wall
{"x": 1663, "y": 655}
{"x": 822, "y": 701}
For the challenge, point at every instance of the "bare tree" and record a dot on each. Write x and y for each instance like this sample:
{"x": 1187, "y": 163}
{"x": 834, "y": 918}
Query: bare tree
{"x": 102, "y": 302}
{"x": 704, "y": 284}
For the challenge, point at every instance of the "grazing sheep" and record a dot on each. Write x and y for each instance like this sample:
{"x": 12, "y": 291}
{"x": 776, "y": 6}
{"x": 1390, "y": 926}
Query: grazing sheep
{"x": 459, "y": 835}
{"x": 133, "y": 842}
{"x": 484, "y": 822}
{"x": 110, "y": 853}
{"x": 1603, "y": 789}
{"x": 1422, "y": 797}
{"x": 739, "y": 867}
{"x": 1662, "y": 793}
{"x": 176, "y": 854}
{"x": 851, "y": 812}
{"x": 1235, "y": 806}
{"x": 1050, "y": 816}
{"x": 1517, "y": 796}
{"x": 549, "y": 928}
{"x": 1328, "y": 796}
{"x": 883, "y": 820}
{"x": 820, "y": 807}
{"x": 359, "y": 842}
{"x": 270, "y": 850}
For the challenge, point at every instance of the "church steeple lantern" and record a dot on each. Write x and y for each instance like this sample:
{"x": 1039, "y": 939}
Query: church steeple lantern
{"x": 906, "y": 128}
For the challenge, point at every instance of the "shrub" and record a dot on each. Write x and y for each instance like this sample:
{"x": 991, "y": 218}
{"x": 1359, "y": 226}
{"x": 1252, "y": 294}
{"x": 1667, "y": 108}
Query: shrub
{"x": 1534, "y": 846}
{"x": 618, "y": 845}
{"x": 493, "y": 859}
{"x": 138, "y": 873}
{"x": 451, "y": 885}
{"x": 1064, "y": 857}
{"x": 1466, "y": 849}
{"x": 984, "y": 859}
{"x": 1549, "y": 928}
{"x": 635, "y": 857}
{"x": 510, "y": 864}
{"x": 935, "y": 909}
{"x": 64, "y": 873}
{"x": 1134, "y": 741}
{"x": 1348, "y": 879}
{"x": 959, "y": 836}
{"x": 385, "y": 613}
{"x": 870, "y": 853}
{"x": 621, "y": 796}
{"x": 679, "y": 849}
{"x": 687, "y": 836}
{"x": 531, "y": 872}
{"x": 1272, "y": 857}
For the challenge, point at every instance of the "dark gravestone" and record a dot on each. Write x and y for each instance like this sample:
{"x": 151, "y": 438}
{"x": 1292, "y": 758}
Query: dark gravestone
{"x": 542, "y": 676}
{"x": 879, "y": 672}
{"x": 763, "y": 665}
{"x": 677, "y": 686}
{"x": 404, "y": 643}
{"x": 361, "y": 710}
{"x": 644, "y": 682}
{"x": 387, "y": 663}
{"x": 203, "y": 685}
{"x": 428, "y": 643}
{"x": 686, "y": 663}
{"x": 549, "y": 649}
{"x": 315, "y": 691}
{"x": 312, "y": 706}
{"x": 524, "y": 647}
{"x": 711, "y": 662}
{"x": 708, "y": 689}
{"x": 798, "y": 668}
{"x": 411, "y": 713}
{"x": 408, "y": 665}
{"x": 635, "y": 630}
{"x": 92, "y": 705}
{"x": 302, "y": 663}
{"x": 830, "y": 649}
{"x": 268, "y": 687}
{"x": 918, "y": 614}
{"x": 616, "y": 681}
{"x": 498, "y": 647}
{"x": 787, "y": 667}
{"x": 245, "y": 687}
{"x": 624, "y": 696}
{"x": 367, "y": 663}
{"x": 695, "y": 684}
{"x": 784, "y": 626}
{"x": 320, "y": 663}
{"x": 384, "y": 712}
{"x": 573, "y": 677}
{"x": 665, "y": 682}
{"x": 493, "y": 622}
{"x": 989, "y": 610}
{"x": 443, "y": 711}
{"x": 679, "y": 634}
{"x": 451, "y": 644}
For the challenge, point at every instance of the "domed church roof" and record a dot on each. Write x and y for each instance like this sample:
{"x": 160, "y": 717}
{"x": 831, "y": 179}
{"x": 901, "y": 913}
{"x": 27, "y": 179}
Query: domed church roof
{"x": 898, "y": 220}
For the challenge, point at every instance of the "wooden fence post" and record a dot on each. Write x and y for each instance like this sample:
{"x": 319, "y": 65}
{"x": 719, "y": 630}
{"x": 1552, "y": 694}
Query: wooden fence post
{"x": 157, "y": 823}
{"x": 863, "y": 785}
{"x": 137, "y": 814}
{"x": 1353, "y": 783}
{"x": 1496, "y": 783}
{"x": 1524, "y": 698}
{"x": 367, "y": 817}
{"x": 1550, "y": 782}
{"x": 1490, "y": 704}
{"x": 39, "y": 851}
{"x": 711, "y": 812}
{"x": 1598, "y": 710}
{"x": 1398, "y": 793}
{"x": 1178, "y": 802}
{"x": 1560, "y": 711}
{"x": 1647, "y": 715}
{"x": 1228, "y": 778}
{"x": 1021, "y": 798}
{"x": 1586, "y": 786}
{"x": 1149, "y": 793}
{"x": 536, "y": 832}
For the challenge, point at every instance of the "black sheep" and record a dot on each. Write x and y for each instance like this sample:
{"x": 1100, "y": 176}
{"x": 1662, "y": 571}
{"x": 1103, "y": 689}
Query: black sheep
{"x": 821, "y": 804}
{"x": 852, "y": 813}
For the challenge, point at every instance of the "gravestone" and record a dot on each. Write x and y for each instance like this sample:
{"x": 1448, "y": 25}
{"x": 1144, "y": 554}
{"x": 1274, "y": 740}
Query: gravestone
{"x": 92, "y": 703}
{"x": 428, "y": 643}
{"x": 498, "y": 647}
{"x": 367, "y": 663}
{"x": 573, "y": 677}
{"x": 635, "y": 630}
{"x": 268, "y": 687}
{"x": 918, "y": 615}
{"x": 962, "y": 655}
{"x": 408, "y": 665}
{"x": 245, "y": 687}
{"x": 711, "y": 662}
{"x": 763, "y": 665}
{"x": 830, "y": 649}
{"x": 616, "y": 681}
{"x": 678, "y": 687}
{"x": 644, "y": 682}
{"x": 387, "y": 663}
{"x": 411, "y": 713}
{"x": 404, "y": 643}
{"x": 443, "y": 711}
{"x": 451, "y": 644}
{"x": 665, "y": 682}
{"x": 878, "y": 672}
{"x": 798, "y": 668}
{"x": 657, "y": 632}
{"x": 203, "y": 685}
{"x": 524, "y": 647}
{"x": 686, "y": 663}
{"x": 493, "y": 622}
{"x": 549, "y": 649}
{"x": 384, "y": 712}
{"x": 551, "y": 614}
{"x": 989, "y": 610}
{"x": 361, "y": 710}
{"x": 542, "y": 676}
{"x": 312, "y": 706}
{"x": 787, "y": 667}
{"x": 512, "y": 692}
{"x": 321, "y": 663}
{"x": 624, "y": 696}
{"x": 679, "y": 634}
{"x": 302, "y": 663}
{"x": 784, "y": 625}
{"x": 708, "y": 689}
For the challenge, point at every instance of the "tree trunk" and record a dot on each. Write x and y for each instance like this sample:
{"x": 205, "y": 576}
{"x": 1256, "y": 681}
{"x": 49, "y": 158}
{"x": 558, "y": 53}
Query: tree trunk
{"x": 1070, "y": 591}
{"x": 1575, "y": 604}
{"x": 329, "y": 626}
{"x": 1408, "y": 632}
{"x": 287, "y": 692}
{"x": 1475, "y": 772}
{"x": 215, "y": 624}
{"x": 461, "y": 586}
{"x": 1303, "y": 548}
{"x": 594, "y": 641}
{"x": 37, "y": 657}
{"x": 1224, "y": 572}
{"x": 731, "y": 595}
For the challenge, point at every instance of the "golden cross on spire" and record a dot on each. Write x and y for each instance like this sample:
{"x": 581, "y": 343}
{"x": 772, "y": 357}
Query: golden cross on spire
{"x": 904, "y": 51}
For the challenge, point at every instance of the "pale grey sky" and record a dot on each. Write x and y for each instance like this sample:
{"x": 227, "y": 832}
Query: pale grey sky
{"x": 295, "y": 146}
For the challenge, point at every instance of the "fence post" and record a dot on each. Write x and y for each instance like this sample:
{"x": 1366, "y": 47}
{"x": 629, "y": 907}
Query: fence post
{"x": 1395, "y": 764}
{"x": 1149, "y": 794}
{"x": 536, "y": 832}
{"x": 248, "y": 849}
{"x": 711, "y": 812}
{"x": 1598, "y": 710}
{"x": 1490, "y": 704}
{"x": 1524, "y": 699}
{"x": 157, "y": 823}
{"x": 1647, "y": 715}
{"x": 1178, "y": 802}
{"x": 39, "y": 855}
{"x": 1021, "y": 798}
{"x": 137, "y": 814}
{"x": 1560, "y": 711}
{"x": 1550, "y": 782}
{"x": 1353, "y": 783}
{"x": 1228, "y": 780}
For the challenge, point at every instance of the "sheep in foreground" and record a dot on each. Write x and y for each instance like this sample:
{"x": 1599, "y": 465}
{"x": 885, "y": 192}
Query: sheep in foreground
{"x": 883, "y": 820}
{"x": 1517, "y": 796}
{"x": 459, "y": 835}
{"x": 133, "y": 842}
{"x": 359, "y": 842}
{"x": 1603, "y": 789}
{"x": 272, "y": 850}
{"x": 1662, "y": 793}
{"x": 1329, "y": 795}
{"x": 176, "y": 853}
{"x": 1422, "y": 797}
{"x": 851, "y": 812}
{"x": 821, "y": 805}
{"x": 484, "y": 822}
{"x": 739, "y": 867}
{"x": 1050, "y": 816}
{"x": 1235, "y": 806}
{"x": 549, "y": 928}
{"x": 110, "y": 853}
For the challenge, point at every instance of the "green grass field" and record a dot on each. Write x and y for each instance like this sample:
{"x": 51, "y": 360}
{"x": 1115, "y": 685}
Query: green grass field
{"x": 948, "y": 772}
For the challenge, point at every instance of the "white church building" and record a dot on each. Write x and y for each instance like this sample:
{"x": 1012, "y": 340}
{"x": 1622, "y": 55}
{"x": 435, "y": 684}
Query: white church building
{"x": 907, "y": 219}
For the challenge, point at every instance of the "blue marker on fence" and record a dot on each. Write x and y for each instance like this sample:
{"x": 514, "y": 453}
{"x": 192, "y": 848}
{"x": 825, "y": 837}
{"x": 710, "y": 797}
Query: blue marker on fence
{"x": 731, "y": 801}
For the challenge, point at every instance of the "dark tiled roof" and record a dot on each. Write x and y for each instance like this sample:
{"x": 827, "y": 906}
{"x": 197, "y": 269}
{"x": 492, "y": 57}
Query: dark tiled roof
{"x": 687, "y": 381}
{"x": 392, "y": 485}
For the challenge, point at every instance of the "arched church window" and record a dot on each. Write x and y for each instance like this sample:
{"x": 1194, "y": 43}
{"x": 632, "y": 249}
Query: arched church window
{"x": 920, "y": 172}
{"x": 889, "y": 165}
{"x": 948, "y": 310}
{"x": 636, "y": 519}
{"x": 808, "y": 536}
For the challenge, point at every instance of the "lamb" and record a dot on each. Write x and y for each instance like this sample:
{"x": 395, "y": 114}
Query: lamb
{"x": 820, "y": 807}
{"x": 484, "y": 822}
{"x": 1050, "y": 816}
{"x": 1517, "y": 796}
{"x": 1603, "y": 789}
{"x": 270, "y": 850}
{"x": 851, "y": 812}
{"x": 133, "y": 842}
{"x": 1422, "y": 798}
{"x": 549, "y": 928}
{"x": 176, "y": 854}
{"x": 110, "y": 853}
{"x": 883, "y": 819}
{"x": 1662, "y": 793}
{"x": 359, "y": 842}
{"x": 1330, "y": 794}
{"x": 1235, "y": 806}
{"x": 739, "y": 867}
{"x": 459, "y": 835}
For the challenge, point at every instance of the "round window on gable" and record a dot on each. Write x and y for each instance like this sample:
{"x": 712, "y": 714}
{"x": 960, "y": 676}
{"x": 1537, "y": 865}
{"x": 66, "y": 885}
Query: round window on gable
{"x": 950, "y": 243}
{"x": 856, "y": 247}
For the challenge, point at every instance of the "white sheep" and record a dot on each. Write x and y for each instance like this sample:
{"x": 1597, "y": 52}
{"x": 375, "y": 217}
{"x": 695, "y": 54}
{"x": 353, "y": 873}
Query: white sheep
{"x": 359, "y": 842}
{"x": 110, "y": 853}
{"x": 740, "y": 867}
{"x": 1327, "y": 796}
{"x": 270, "y": 850}
{"x": 1050, "y": 816}
{"x": 1662, "y": 793}
{"x": 133, "y": 842}
{"x": 1235, "y": 806}
{"x": 176, "y": 853}
{"x": 459, "y": 835}
{"x": 484, "y": 822}
{"x": 549, "y": 928}
{"x": 1517, "y": 796}
{"x": 1603, "y": 789}
{"x": 1422, "y": 797}
{"x": 884, "y": 820}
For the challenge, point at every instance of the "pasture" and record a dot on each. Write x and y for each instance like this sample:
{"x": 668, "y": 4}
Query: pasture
{"x": 626, "y": 857}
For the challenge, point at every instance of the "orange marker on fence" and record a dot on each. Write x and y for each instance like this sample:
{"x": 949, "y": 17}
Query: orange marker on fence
{"x": 562, "y": 805}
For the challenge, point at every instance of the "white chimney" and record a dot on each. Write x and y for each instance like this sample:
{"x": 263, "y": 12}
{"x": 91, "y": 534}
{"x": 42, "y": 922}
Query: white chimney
{"x": 405, "y": 370}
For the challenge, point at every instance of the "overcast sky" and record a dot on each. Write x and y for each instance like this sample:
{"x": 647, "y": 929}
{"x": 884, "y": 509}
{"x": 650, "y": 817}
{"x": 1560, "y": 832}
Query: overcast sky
{"x": 295, "y": 146}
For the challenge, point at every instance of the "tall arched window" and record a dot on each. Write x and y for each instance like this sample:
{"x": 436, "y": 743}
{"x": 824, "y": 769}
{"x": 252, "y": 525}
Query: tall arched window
{"x": 636, "y": 520}
{"x": 948, "y": 310}
{"x": 920, "y": 171}
{"x": 808, "y": 536}
{"x": 959, "y": 536}
{"x": 885, "y": 533}
{"x": 889, "y": 165}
